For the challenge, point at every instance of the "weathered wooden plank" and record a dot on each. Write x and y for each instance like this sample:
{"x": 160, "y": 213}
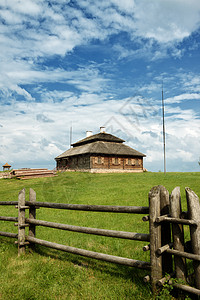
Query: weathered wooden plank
{"x": 8, "y": 202}
{"x": 96, "y": 208}
{"x": 178, "y": 234}
{"x": 194, "y": 214}
{"x": 155, "y": 236}
{"x": 96, "y": 231}
{"x": 92, "y": 254}
{"x": 35, "y": 176}
{"x": 21, "y": 221}
{"x": 10, "y": 219}
{"x": 176, "y": 221}
{"x": 187, "y": 288}
{"x": 184, "y": 254}
{"x": 8, "y": 234}
{"x": 165, "y": 230}
{"x": 32, "y": 173}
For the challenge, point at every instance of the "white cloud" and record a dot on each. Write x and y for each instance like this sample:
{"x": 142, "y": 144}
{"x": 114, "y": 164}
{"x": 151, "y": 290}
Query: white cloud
{"x": 40, "y": 131}
{"x": 182, "y": 97}
{"x": 167, "y": 20}
{"x": 20, "y": 73}
{"x": 34, "y": 31}
{"x": 190, "y": 81}
{"x": 58, "y": 28}
{"x": 25, "y": 7}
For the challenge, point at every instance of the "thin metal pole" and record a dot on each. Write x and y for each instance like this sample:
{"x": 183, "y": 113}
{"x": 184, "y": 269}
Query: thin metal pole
{"x": 70, "y": 136}
{"x": 163, "y": 112}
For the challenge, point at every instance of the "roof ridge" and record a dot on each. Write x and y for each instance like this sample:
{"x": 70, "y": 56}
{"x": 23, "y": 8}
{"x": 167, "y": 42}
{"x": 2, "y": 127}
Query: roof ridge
{"x": 99, "y": 136}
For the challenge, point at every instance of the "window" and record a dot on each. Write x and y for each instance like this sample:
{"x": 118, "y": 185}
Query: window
{"x": 129, "y": 161}
{"x": 115, "y": 160}
{"x": 99, "y": 160}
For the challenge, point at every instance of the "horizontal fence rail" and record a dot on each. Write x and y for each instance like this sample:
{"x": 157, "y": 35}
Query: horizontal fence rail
{"x": 165, "y": 238}
{"x": 184, "y": 254}
{"x": 32, "y": 223}
{"x": 8, "y": 234}
{"x": 176, "y": 221}
{"x": 95, "y": 231}
{"x": 187, "y": 289}
{"x": 9, "y": 219}
{"x": 97, "y": 208}
{"x": 96, "y": 255}
{"x": 8, "y": 202}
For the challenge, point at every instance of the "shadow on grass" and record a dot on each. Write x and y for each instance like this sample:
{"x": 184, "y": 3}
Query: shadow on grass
{"x": 118, "y": 271}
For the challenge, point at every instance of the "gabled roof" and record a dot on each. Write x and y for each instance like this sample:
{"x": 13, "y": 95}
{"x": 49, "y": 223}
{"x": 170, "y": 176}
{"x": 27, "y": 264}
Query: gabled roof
{"x": 106, "y": 137}
{"x": 101, "y": 147}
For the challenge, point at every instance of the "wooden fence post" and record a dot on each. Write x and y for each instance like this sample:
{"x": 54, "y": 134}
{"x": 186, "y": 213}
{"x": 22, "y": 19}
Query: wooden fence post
{"x": 32, "y": 215}
{"x": 165, "y": 230}
{"x": 178, "y": 233}
{"x": 21, "y": 222}
{"x": 194, "y": 214}
{"x": 155, "y": 236}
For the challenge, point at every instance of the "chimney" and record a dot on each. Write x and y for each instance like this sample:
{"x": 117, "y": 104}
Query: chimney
{"x": 88, "y": 133}
{"x": 102, "y": 129}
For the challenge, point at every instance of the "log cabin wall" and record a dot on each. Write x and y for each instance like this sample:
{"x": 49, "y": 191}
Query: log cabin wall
{"x": 74, "y": 162}
{"x": 123, "y": 163}
{"x": 100, "y": 162}
{"x": 61, "y": 164}
{"x": 79, "y": 162}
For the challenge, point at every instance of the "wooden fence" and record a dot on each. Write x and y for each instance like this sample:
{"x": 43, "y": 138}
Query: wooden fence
{"x": 166, "y": 234}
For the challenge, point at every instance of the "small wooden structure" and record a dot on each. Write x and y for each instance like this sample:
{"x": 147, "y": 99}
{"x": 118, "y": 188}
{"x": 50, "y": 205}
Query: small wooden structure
{"x": 6, "y": 167}
{"x": 101, "y": 153}
{"x": 31, "y": 173}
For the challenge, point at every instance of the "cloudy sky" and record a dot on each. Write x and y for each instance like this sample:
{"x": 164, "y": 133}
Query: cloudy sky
{"x": 88, "y": 64}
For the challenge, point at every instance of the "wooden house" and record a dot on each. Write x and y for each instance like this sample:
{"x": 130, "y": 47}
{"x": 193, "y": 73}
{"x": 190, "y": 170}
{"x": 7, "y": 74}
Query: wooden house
{"x": 101, "y": 153}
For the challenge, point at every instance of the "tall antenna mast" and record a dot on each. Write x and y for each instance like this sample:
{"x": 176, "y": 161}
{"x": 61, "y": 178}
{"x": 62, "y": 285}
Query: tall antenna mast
{"x": 70, "y": 136}
{"x": 163, "y": 113}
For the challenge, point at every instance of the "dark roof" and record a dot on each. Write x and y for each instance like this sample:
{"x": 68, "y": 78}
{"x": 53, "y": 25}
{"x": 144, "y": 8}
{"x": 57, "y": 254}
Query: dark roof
{"x": 106, "y": 137}
{"x": 101, "y": 147}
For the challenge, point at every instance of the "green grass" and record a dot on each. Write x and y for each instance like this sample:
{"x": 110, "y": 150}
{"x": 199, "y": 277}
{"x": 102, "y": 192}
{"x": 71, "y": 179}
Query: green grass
{"x": 51, "y": 274}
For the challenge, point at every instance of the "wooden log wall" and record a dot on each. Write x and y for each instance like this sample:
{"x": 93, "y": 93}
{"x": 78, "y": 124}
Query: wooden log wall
{"x": 123, "y": 163}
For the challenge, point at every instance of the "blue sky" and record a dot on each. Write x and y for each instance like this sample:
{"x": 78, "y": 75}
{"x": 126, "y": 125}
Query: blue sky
{"x": 91, "y": 63}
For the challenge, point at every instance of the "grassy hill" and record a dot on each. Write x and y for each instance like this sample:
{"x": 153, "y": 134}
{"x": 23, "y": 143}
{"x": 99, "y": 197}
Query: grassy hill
{"x": 51, "y": 274}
